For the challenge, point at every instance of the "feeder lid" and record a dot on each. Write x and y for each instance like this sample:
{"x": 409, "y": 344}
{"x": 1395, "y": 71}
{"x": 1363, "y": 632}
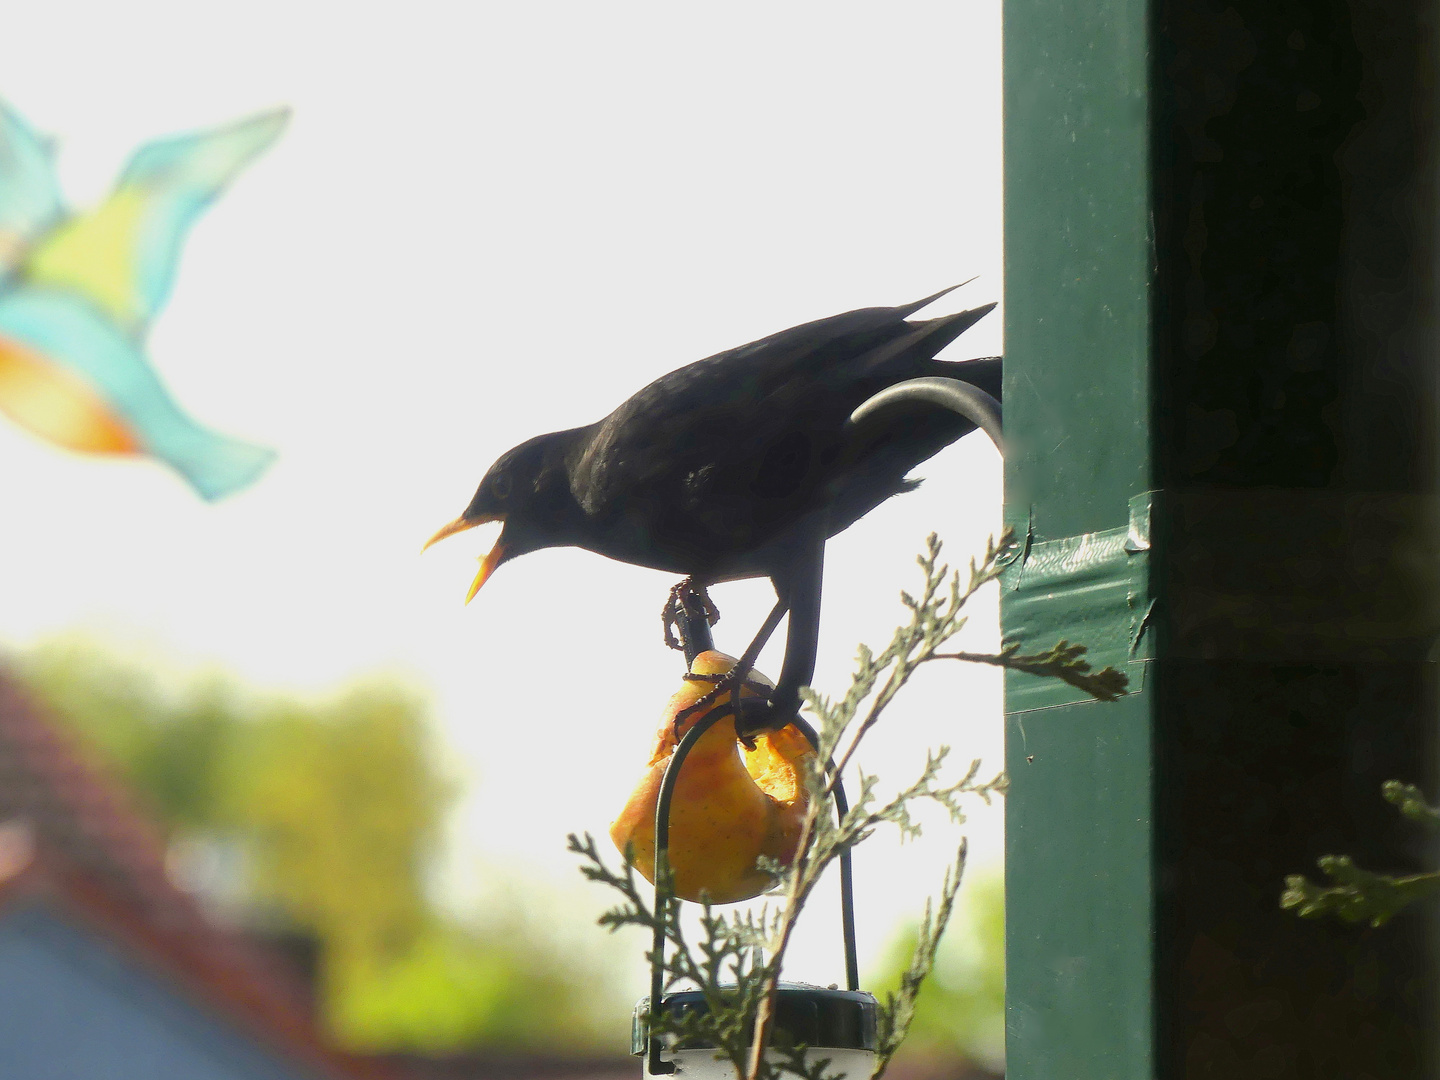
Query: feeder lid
{"x": 812, "y": 1015}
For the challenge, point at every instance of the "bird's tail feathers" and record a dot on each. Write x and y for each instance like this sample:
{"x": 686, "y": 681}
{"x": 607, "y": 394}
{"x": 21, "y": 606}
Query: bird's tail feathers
{"x": 924, "y": 339}
{"x": 942, "y": 331}
{"x": 906, "y": 310}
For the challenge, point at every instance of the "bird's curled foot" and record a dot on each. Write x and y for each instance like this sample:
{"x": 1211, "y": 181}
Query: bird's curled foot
{"x": 756, "y": 715}
{"x": 686, "y": 595}
{"x": 753, "y": 715}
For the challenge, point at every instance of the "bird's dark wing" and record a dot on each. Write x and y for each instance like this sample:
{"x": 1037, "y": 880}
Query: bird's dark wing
{"x": 722, "y": 455}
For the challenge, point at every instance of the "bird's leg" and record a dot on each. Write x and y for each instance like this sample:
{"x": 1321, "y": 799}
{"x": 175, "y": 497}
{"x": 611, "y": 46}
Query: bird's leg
{"x": 740, "y": 672}
{"x": 800, "y": 590}
{"x": 686, "y": 596}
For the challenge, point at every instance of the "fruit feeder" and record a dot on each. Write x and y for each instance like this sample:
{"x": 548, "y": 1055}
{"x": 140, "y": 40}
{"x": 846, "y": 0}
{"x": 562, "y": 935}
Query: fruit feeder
{"x": 838, "y": 1024}
{"x": 842, "y": 1022}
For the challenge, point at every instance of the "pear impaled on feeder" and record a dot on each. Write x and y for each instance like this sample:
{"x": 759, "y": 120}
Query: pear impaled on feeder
{"x": 730, "y": 805}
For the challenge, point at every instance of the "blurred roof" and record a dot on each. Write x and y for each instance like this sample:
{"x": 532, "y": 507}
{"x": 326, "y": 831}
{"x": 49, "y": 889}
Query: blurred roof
{"x": 69, "y": 836}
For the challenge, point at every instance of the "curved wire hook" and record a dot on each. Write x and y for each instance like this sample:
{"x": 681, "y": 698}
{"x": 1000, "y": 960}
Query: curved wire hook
{"x": 664, "y": 900}
{"x": 964, "y": 398}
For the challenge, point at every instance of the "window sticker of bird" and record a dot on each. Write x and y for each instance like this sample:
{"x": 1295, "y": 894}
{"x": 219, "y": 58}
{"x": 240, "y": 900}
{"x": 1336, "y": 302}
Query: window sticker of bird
{"x": 78, "y": 293}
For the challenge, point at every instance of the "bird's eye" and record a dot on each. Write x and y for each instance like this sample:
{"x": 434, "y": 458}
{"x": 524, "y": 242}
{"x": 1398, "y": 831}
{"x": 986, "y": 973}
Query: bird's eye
{"x": 501, "y": 486}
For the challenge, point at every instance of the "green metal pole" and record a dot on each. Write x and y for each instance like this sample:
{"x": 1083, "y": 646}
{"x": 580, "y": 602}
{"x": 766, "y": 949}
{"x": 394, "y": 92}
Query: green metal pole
{"x": 1080, "y": 886}
{"x": 1220, "y": 407}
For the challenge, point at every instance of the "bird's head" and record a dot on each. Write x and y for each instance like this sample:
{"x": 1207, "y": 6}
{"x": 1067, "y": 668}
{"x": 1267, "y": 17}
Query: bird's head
{"x": 528, "y": 490}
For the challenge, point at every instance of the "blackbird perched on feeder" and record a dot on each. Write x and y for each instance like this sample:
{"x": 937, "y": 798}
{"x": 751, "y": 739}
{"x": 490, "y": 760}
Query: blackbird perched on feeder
{"x": 740, "y": 465}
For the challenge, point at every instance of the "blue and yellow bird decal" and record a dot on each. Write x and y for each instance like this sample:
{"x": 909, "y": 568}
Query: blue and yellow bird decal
{"x": 78, "y": 293}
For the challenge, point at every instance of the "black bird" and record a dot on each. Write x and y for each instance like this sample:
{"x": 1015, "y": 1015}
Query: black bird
{"x": 740, "y": 465}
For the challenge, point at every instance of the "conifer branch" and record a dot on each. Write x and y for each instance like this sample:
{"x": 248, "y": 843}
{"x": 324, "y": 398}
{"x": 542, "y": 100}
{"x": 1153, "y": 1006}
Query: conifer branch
{"x": 1357, "y": 895}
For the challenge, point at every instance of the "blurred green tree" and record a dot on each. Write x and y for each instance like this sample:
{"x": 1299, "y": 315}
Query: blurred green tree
{"x": 169, "y": 748}
{"x": 342, "y": 805}
{"x": 463, "y": 986}
{"x": 960, "y": 1012}
{"x": 332, "y": 814}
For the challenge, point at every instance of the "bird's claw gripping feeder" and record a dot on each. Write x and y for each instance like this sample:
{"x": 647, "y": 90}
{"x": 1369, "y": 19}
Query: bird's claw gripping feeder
{"x": 838, "y": 1024}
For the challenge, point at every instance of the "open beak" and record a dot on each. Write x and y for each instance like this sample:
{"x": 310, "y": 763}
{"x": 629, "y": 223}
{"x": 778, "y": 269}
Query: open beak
{"x": 492, "y": 559}
{"x": 488, "y": 564}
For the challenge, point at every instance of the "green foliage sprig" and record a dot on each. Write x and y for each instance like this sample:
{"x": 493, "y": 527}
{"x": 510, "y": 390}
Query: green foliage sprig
{"x": 1357, "y": 895}
{"x": 736, "y": 963}
{"x": 1410, "y": 801}
{"x": 1064, "y": 661}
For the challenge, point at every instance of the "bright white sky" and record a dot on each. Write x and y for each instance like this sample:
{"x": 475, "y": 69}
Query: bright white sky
{"x": 489, "y": 220}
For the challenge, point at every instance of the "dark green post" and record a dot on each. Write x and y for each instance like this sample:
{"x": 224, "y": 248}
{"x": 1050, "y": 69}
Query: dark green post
{"x": 1080, "y": 876}
{"x": 1220, "y": 400}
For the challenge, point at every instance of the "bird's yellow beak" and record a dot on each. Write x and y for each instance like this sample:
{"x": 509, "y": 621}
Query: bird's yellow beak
{"x": 491, "y": 560}
{"x": 487, "y": 567}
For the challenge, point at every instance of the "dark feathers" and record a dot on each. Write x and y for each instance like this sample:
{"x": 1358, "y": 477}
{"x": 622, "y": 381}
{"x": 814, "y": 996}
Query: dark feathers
{"x": 713, "y": 469}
